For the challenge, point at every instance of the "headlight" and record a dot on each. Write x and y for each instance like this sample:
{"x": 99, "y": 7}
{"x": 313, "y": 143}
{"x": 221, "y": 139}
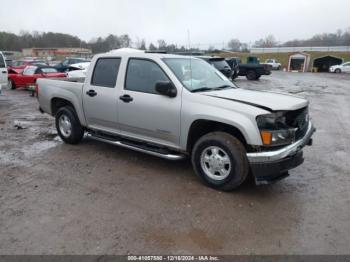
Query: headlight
{"x": 274, "y": 130}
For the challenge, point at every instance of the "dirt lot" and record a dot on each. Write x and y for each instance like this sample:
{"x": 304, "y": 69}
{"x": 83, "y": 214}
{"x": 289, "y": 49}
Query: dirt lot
{"x": 95, "y": 198}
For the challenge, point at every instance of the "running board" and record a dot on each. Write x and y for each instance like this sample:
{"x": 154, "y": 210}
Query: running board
{"x": 153, "y": 152}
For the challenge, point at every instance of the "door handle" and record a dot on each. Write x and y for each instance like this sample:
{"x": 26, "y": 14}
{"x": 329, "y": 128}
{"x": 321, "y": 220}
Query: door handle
{"x": 91, "y": 93}
{"x": 4, "y": 72}
{"x": 126, "y": 98}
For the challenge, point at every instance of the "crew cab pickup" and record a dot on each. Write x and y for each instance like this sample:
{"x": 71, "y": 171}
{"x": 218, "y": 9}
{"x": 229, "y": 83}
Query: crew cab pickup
{"x": 173, "y": 107}
{"x": 252, "y": 70}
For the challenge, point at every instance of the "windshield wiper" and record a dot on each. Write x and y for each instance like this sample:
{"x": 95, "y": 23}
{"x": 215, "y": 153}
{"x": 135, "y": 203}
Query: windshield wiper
{"x": 222, "y": 87}
{"x": 202, "y": 89}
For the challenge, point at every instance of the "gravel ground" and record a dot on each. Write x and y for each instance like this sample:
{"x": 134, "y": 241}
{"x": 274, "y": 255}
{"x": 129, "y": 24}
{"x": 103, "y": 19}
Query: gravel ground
{"x": 94, "y": 198}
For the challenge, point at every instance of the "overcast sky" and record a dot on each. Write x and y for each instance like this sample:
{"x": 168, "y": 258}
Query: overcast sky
{"x": 209, "y": 21}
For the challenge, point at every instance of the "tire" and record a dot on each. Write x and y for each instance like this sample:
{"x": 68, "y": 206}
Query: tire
{"x": 234, "y": 76}
{"x": 337, "y": 71}
{"x": 68, "y": 125}
{"x": 251, "y": 75}
{"x": 11, "y": 84}
{"x": 235, "y": 171}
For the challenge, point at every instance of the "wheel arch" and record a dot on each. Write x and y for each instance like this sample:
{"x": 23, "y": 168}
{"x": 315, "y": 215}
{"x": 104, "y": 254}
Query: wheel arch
{"x": 58, "y": 102}
{"x": 201, "y": 127}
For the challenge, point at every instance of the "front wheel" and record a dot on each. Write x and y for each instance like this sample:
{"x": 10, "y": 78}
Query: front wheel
{"x": 251, "y": 75}
{"x": 337, "y": 71}
{"x": 220, "y": 160}
{"x": 11, "y": 84}
{"x": 68, "y": 125}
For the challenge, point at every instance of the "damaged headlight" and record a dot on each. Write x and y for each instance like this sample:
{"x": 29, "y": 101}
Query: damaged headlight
{"x": 274, "y": 130}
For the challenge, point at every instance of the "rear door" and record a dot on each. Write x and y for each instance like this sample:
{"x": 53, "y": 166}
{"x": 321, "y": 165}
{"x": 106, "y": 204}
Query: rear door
{"x": 3, "y": 71}
{"x": 100, "y": 95}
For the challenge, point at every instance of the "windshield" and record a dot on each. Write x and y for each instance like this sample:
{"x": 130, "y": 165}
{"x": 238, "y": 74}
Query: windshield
{"x": 29, "y": 70}
{"x": 196, "y": 74}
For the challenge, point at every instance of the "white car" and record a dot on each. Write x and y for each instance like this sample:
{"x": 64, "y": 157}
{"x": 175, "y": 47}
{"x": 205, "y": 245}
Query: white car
{"x": 78, "y": 70}
{"x": 344, "y": 67}
{"x": 3, "y": 72}
{"x": 273, "y": 63}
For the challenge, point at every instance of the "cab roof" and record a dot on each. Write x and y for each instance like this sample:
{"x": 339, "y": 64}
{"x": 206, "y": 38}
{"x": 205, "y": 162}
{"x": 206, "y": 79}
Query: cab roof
{"x": 141, "y": 53}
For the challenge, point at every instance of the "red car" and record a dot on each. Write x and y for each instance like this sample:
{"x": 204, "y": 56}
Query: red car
{"x": 30, "y": 74}
{"x": 21, "y": 64}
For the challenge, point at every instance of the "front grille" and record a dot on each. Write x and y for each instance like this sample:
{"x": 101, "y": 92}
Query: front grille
{"x": 300, "y": 120}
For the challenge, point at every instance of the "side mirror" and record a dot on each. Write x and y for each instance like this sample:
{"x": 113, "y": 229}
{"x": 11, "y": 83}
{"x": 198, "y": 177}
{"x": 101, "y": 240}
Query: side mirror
{"x": 166, "y": 88}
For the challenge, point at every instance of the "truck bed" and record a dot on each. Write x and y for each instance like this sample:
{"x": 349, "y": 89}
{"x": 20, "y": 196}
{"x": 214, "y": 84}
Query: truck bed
{"x": 69, "y": 89}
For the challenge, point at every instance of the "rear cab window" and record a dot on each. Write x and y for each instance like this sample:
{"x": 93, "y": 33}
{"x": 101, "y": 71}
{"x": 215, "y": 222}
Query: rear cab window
{"x": 219, "y": 63}
{"x": 106, "y": 72}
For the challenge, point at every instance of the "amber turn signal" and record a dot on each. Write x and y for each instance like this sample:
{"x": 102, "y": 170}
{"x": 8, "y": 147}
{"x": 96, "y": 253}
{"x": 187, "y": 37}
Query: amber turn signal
{"x": 266, "y": 137}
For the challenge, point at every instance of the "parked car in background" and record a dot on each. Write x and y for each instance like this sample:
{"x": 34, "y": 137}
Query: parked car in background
{"x": 166, "y": 111}
{"x": 252, "y": 70}
{"x": 21, "y": 64}
{"x": 343, "y": 68}
{"x": 233, "y": 62}
{"x": 3, "y": 72}
{"x": 78, "y": 70}
{"x": 30, "y": 74}
{"x": 219, "y": 63}
{"x": 273, "y": 63}
{"x": 64, "y": 65}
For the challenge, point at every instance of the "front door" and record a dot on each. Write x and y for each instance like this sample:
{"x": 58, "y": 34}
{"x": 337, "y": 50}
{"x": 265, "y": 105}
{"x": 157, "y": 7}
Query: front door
{"x": 100, "y": 96}
{"x": 143, "y": 113}
{"x": 346, "y": 67}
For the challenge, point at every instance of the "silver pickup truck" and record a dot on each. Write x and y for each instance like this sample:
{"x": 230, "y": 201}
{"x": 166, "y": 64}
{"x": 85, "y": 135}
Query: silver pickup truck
{"x": 174, "y": 106}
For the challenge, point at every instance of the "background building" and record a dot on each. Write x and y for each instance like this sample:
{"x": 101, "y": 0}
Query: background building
{"x": 57, "y": 52}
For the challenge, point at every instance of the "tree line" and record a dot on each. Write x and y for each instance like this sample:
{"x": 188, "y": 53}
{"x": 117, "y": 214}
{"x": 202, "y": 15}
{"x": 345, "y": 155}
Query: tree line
{"x": 13, "y": 42}
{"x": 339, "y": 38}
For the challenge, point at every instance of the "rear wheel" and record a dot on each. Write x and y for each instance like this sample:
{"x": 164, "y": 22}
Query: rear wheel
{"x": 68, "y": 125}
{"x": 220, "y": 160}
{"x": 251, "y": 75}
{"x": 337, "y": 71}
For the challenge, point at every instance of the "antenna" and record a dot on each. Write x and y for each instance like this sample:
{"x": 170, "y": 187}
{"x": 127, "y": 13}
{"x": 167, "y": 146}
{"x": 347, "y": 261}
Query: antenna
{"x": 189, "y": 48}
{"x": 189, "y": 40}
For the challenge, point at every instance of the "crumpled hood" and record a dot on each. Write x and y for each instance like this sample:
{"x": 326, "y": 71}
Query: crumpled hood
{"x": 267, "y": 100}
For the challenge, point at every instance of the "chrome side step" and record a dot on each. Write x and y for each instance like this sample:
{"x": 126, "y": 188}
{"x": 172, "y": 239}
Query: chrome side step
{"x": 165, "y": 155}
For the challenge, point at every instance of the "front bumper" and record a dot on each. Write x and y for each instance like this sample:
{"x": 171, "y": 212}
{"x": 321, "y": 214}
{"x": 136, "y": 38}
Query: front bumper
{"x": 270, "y": 166}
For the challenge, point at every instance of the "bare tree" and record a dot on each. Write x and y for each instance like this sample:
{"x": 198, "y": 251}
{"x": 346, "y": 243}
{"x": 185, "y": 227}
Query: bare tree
{"x": 234, "y": 45}
{"x": 161, "y": 44}
{"x": 152, "y": 47}
{"x": 268, "y": 41}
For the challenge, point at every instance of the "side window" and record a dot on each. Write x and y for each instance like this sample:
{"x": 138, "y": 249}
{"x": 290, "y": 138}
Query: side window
{"x": 106, "y": 72}
{"x": 142, "y": 76}
{"x": 2, "y": 62}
